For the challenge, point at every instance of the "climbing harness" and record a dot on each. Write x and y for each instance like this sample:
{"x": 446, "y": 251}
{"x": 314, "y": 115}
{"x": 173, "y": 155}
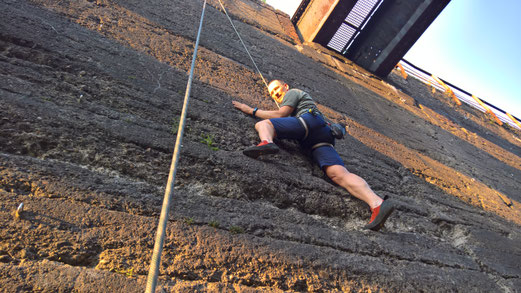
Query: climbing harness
{"x": 338, "y": 130}
{"x": 303, "y": 122}
{"x": 160, "y": 235}
{"x": 321, "y": 144}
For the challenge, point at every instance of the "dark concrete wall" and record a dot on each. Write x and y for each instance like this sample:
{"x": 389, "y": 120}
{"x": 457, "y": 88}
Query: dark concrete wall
{"x": 389, "y": 34}
{"x": 381, "y": 29}
{"x": 392, "y": 31}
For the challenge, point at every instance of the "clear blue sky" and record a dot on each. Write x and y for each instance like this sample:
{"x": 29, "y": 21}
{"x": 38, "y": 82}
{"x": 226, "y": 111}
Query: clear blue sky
{"x": 473, "y": 44}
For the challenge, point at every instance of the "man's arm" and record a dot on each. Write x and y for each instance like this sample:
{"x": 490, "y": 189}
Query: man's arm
{"x": 284, "y": 111}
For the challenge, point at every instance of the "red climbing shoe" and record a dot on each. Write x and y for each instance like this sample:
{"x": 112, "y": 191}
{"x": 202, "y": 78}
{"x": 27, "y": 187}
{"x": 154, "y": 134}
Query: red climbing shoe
{"x": 380, "y": 215}
{"x": 263, "y": 148}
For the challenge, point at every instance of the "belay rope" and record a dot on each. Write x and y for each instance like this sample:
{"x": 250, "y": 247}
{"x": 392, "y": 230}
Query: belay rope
{"x": 245, "y": 48}
{"x": 163, "y": 219}
{"x": 235, "y": 29}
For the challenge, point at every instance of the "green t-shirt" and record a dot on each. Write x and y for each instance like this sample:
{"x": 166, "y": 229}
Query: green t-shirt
{"x": 299, "y": 100}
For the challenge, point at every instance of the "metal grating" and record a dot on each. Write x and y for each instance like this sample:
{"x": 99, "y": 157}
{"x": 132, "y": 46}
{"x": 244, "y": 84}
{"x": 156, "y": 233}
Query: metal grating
{"x": 353, "y": 24}
{"x": 360, "y": 12}
{"x": 341, "y": 37}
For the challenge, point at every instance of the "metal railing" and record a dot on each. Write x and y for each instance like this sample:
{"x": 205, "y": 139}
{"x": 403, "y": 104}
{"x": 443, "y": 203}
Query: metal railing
{"x": 461, "y": 94}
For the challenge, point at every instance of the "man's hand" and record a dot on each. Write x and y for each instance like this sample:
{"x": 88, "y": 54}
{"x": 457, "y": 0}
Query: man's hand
{"x": 243, "y": 107}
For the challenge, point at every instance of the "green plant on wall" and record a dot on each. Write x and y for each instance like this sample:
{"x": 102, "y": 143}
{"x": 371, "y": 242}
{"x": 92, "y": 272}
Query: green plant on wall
{"x": 175, "y": 126}
{"x": 236, "y": 230}
{"x": 189, "y": 221}
{"x": 208, "y": 140}
{"x": 214, "y": 224}
{"x": 128, "y": 272}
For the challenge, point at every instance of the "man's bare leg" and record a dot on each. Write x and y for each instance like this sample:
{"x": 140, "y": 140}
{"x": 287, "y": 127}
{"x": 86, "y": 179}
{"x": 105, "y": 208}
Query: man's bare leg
{"x": 266, "y": 133}
{"x": 265, "y": 130}
{"x": 354, "y": 184}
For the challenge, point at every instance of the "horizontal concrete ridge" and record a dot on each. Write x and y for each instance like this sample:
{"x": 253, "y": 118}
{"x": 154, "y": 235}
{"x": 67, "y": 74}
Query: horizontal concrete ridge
{"x": 90, "y": 98}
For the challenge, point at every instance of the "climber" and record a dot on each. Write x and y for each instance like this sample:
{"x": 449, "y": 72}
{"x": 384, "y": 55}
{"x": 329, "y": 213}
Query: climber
{"x": 298, "y": 118}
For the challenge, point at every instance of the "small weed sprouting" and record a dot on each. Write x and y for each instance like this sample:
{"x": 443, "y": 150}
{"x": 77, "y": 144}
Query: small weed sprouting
{"x": 175, "y": 127}
{"x": 208, "y": 140}
{"x": 129, "y": 272}
{"x": 236, "y": 230}
{"x": 189, "y": 221}
{"x": 213, "y": 224}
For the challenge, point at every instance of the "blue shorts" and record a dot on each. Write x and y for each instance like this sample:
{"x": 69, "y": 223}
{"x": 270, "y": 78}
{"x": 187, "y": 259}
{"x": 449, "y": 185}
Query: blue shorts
{"x": 326, "y": 156}
{"x": 319, "y": 131}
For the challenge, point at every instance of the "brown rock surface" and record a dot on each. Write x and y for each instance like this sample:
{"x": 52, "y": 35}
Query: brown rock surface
{"x": 90, "y": 97}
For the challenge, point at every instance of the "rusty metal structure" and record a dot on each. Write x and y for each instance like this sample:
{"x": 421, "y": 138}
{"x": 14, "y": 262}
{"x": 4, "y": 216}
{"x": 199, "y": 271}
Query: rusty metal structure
{"x": 374, "y": 34}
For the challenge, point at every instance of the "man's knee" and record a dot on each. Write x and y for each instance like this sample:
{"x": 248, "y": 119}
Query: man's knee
{"x": 336, "y": 172}
{"x": 339, "y": 173}
{"x": 263, "y": 124}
